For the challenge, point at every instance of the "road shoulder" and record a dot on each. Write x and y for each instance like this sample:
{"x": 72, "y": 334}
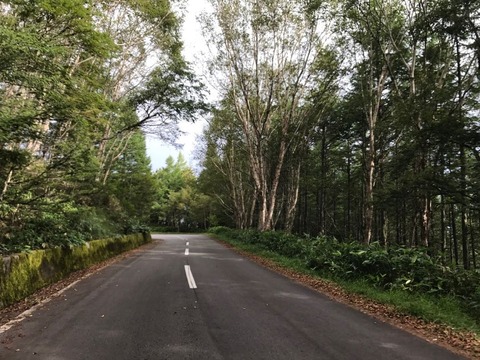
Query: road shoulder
{"x": 462, "y": 343}
{"x": 17, "y": 311}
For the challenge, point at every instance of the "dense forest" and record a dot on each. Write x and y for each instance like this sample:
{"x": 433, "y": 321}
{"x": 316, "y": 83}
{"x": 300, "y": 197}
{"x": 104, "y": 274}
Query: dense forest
{"x": 352, "y": 119}
{"x": 357, "y": 120}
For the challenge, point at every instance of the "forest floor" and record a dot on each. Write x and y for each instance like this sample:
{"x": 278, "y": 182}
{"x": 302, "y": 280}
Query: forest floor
{"x": 461, "y": 342}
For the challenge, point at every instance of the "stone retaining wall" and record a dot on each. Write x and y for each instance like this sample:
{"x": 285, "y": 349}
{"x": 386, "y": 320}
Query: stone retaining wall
{"x": 22, "y": 274}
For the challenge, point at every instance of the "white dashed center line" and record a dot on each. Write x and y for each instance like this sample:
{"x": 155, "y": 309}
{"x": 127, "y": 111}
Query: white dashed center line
{"x": 190, "y": 279}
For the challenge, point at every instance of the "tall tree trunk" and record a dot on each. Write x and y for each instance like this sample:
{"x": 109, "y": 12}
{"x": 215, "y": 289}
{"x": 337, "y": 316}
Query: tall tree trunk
{"x": 463, "y": 210}
{"x": 272, "y": 190}
{"x": 292, "y": 197}
{"x": 322, "y": 194}
{"x": 443, "y": 233}
{"x": 454, "y": 233}
{"x": 348, "y": 228}
{"x": 472, "y": 243}
{"x": 463, "y": 164}
{"x": 253, "y": 206}
{"x": 384, "y": 222}
{"x": 6, "y": 183}
{"x": 376, "y": 87}
{"x": 426, "y": 220}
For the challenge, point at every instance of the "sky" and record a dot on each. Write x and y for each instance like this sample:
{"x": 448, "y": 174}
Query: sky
{"x": 157, "y": 150}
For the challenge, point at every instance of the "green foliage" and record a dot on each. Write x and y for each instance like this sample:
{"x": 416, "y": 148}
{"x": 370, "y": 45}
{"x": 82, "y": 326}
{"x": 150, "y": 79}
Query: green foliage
{"x": 179, "y": 204}
{"x": 224, "y": 231}
{"x": 76, "y": 85}
{"x": 132, "y": 171}
{"x": 136, "y": 228}
{"x": 445, "y": 309}
{"x": 390, "y": 151}
{"x": 63, "y": 225}
{"x": 224, "y": 176}
{"x": 171, "y": 94}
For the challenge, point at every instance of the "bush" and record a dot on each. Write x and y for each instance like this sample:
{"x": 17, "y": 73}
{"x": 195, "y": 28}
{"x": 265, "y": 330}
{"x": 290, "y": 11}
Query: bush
{"x": 224, "y": 231}
{"x": 64, "y": 225}
{"x": 135, "y": 228}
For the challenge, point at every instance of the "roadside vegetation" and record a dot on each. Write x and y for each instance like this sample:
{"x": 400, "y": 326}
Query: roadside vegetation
{"x": 409, "y": 279}
{"x": 81, "y": 83}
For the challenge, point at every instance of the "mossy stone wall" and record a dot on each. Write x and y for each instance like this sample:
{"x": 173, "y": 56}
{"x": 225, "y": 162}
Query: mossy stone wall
{"x": 22, "y": 274}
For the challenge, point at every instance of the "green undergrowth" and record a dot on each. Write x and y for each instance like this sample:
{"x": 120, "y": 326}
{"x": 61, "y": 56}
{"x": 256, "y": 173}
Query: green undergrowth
{"x": 446, "y": 309}
{"x": 64, "y": 225}
{"x": 358, "y": 269}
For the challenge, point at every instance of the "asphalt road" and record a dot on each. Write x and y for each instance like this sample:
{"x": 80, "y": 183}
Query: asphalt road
{"x": 146, "y": 307}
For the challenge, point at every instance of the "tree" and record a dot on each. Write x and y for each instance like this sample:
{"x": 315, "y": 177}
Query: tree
{"x": 226, "y": 174}
{"x": 175, "y": 193}
{"x": 76, "y": 79}
{"x": 48, "y": 101}
{"x": 266, "y": 55}
{"x": 414, "y": 67}
{"x": 132, "y": 183}
{"x": 148, "y": 82}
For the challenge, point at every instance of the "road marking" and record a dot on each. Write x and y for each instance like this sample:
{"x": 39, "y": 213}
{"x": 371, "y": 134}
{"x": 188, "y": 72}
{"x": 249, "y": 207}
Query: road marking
{"x": 190, "y": 279}
{"x": 186, "y": 251}
{"x": 187, "y": 243}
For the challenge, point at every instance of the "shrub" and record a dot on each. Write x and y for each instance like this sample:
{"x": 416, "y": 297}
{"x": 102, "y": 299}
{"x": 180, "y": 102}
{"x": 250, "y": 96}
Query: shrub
{"x": 63, "y": 225}
{"x": 135, "y": 228}
{"x": 222, "y": 230}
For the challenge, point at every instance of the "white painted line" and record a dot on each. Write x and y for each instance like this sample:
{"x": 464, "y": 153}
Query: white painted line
{"x": 187, "y": 243}
{"x": 190, "y": 279}
{"x": 186, "y": 251}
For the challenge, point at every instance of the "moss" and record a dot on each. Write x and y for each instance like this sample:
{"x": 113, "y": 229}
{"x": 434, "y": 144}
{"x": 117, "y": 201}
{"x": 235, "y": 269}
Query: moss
{"x": 23, "y": 274}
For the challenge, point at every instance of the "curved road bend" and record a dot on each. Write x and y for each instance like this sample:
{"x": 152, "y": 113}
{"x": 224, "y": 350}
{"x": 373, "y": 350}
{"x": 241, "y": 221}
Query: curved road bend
{"x": 189, "y": 297}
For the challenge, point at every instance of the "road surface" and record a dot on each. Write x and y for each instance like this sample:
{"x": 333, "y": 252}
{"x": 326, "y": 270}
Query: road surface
{"x": 188, "y": 297}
